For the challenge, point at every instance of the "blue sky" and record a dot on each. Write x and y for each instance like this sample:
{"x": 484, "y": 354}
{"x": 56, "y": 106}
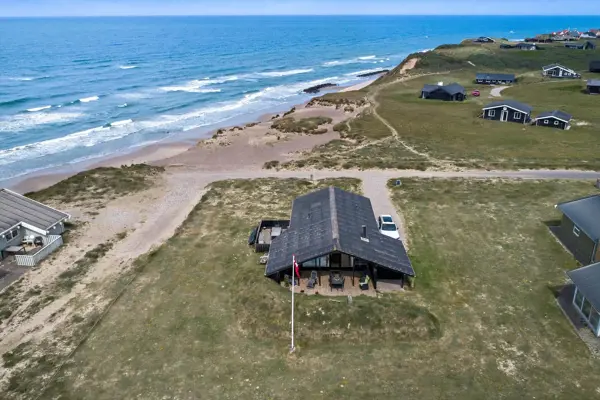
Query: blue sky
{"x": 267, "y": 7}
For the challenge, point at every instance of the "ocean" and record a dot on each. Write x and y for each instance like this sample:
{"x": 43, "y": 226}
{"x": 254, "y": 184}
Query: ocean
{"x": 73, "y": 89}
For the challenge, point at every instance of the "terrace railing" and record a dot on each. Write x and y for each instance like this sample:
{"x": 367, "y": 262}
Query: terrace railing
{"x": 30, "y": 260}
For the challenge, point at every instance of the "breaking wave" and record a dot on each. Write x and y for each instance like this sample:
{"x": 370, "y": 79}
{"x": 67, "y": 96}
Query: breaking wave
{"x": 89, "y": 99}
{"x": 127, "y": 66}
{"x": 23, "y": 122}
{"x": 39, "y": 108}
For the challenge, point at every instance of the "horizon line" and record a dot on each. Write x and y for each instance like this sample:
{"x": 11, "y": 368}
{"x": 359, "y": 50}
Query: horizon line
{"x": 293, "y": 15}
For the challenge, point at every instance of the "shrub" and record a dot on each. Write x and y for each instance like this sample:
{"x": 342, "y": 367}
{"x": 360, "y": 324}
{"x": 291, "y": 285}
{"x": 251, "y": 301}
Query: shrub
{"x": 271, "y": 164}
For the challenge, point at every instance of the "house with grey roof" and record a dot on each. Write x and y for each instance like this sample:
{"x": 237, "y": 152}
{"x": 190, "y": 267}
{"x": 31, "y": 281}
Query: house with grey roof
{"x": 526, "y": 46}
{"x": 594, "y": 66}
{"x": 335, "y": 230}
{"x": 451, "y": 92}
{"x": 593, "y": 86}
{"x": 581, "y": 46}
{"x": 559, "y": 71}
{"x": 485, "y": 78}
{"x": 507, "y": 111}
{"x": 29, "y": 230}
{"x": 579, "y": 229}
{"x": 554, "y": 119}
{"x": 586, "y": 298}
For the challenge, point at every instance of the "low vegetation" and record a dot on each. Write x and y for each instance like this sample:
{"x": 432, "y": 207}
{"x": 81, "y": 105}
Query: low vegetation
{"x": 341, "y": 99}
{"x": 271, "y": 164}
{"x": 100, "y": 183}
{"x": 308, "y": 125}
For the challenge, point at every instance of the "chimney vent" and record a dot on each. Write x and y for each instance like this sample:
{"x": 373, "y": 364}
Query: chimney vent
{"x": 440, "y": 83}
{"x": 363, "y": 233}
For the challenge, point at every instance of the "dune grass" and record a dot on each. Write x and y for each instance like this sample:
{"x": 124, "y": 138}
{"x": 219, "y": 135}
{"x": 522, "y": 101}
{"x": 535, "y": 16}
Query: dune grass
{"x": 308, "y": 125}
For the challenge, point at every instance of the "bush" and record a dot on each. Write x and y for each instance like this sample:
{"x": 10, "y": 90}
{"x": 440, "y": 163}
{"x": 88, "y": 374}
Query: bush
{"x": 304, "y": 125}
{"x": 292, "y": 110}
{"x": 271, "y": 164}
{"x": 341, "y": 127}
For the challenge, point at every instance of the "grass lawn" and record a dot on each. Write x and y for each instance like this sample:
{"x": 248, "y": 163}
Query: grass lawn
{"x": 454, "y": 131}
{"x": 201, "y": 321}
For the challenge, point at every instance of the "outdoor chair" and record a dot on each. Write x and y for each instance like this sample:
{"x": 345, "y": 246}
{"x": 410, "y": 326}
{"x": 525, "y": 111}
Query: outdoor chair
{"x": 312, "y": 281}
{"x": 363, "y": 283}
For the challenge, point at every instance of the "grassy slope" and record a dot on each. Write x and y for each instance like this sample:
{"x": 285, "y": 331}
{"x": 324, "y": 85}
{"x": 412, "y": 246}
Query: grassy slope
{"x": 202, "y": 321}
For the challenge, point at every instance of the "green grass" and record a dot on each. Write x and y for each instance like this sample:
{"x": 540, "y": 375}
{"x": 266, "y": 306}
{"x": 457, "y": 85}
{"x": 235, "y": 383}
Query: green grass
{"x": 454, "y": 131}
{"x": 202, "y": 321}
{"x": 305, "y": 125}
{"x": 341, "y": 99}
{"x": 100, "y": 183}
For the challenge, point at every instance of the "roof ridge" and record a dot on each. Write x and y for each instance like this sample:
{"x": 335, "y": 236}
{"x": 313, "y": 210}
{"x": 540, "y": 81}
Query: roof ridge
{"x": 335, "y": 229}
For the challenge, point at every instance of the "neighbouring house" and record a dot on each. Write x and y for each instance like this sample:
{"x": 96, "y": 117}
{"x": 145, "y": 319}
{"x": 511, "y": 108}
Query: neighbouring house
{"x": 451, "y": 92}
{"x": 506, "y": 46}
{"x": 581, "y": 46}
{"x": 483, "y": 39}
{"x": 579, "y": 229}
{"x": 335, "y": 230}
{"x": 508, "y": 110}
{"x": 267, "y": 231}
{"x": 595, "y": 66}
{"x": 593, "y": 86}
{"x": 559, "y": 71}
{"x": 526, "y": 46}
{"x": 29, "y": 230}
{"x": 494, "y": 79}
{"x": 588, "y": 35}
{"x": 586, "y": 298}
{"x": 554, "y": 119}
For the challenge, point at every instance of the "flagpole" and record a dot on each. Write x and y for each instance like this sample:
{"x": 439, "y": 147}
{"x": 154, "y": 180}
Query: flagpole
{"x": 292, "y": 348}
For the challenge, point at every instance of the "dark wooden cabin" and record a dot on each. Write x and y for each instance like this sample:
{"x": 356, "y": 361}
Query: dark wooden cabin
{"x": 508, "y": 111}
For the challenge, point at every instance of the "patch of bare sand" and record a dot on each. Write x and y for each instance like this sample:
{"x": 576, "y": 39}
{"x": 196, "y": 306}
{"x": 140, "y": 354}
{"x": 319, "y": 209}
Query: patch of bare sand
{"x": 410, "y": 64}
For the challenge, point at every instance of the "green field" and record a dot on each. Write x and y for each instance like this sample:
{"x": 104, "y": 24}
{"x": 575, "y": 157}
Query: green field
{"x": 452, "y": 134}
{"x": 201, "y": 320}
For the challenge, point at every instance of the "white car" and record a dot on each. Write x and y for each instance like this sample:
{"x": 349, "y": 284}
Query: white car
{"x": 387, "y": 226}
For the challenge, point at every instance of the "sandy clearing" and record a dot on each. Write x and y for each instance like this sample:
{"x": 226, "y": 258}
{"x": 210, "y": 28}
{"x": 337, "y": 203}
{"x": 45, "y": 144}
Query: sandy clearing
{"x": 358, "y": 86}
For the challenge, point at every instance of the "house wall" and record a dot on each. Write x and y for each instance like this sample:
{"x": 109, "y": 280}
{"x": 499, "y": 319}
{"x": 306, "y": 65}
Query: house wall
{"x": 4, "y": 242}
{"x": 492, "y": 82}
{"x": 496, "y": 113}
{"x": 550, "y": 123}
{"x": 594, "y": 89}
{"x": 581, "y": 246}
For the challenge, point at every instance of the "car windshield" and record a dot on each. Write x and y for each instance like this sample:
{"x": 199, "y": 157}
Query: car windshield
{"x": 386, "y": 219}
{"x": 388, "y": 227}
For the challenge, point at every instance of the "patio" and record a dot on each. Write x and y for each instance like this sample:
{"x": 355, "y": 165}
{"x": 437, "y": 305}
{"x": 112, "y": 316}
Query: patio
{"x": 321, "y": 287}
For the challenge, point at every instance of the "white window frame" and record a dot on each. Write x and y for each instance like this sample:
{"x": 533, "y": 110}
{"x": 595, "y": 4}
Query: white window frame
{"x": 555, "y": 122}
{"x": 517, "y": 115}
{"x": 576, "y": 230}
{"x": 491, "y": 113}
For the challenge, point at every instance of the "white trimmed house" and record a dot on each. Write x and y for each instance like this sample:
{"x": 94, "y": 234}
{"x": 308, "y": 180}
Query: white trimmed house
{"x": 554, "y": 119}
{"x": 26, "y": 223}
{"x": 559, "y": 71}
{"x": 508, "y": 111}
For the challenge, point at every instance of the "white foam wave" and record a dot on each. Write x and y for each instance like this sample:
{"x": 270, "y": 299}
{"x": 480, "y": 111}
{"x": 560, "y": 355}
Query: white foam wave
{"x": 277, "y": 74}
{"x": 122, "y": 105}
{"x": 134, "y": 96}
{"x": 23, "y": 122}
{"x": 128, "y": 66}
{"x": 121, "y": 123}
{"x": 38, "y": 108}
{"x": 357, "y": 60}
{"x": 196, "y": 85}
{"x": 89, "y": 99}
{"x": 22, "y": 79}
{"x": 367, "y": 58}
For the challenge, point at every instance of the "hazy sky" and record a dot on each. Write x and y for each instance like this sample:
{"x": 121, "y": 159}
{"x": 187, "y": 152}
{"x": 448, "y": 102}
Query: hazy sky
{"x": 265, "y": 7}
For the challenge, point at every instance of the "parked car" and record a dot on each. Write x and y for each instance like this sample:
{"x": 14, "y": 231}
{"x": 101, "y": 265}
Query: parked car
{"x": 252, "y": 237}
{"x": 387, "y": 226}
{"x": 476, "y": 93}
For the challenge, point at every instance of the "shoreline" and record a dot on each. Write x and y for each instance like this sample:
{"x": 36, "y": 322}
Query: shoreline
{"x": 158, "y": 153}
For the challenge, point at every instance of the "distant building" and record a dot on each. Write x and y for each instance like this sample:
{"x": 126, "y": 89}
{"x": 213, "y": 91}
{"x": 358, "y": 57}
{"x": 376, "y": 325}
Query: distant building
{"x": 483, "y": 39}
{"x": 559, "y": 71}
{"x": 526, "y": 46}
{"x": 508, "y": 111}
{"x": 554, "y": 119}
{"x": 588, "y": 35}
{"x": 593, "y": 86}
{"x": 581, "y": 46}
{"x": 506, "y": 46}
{"x": 494, "y": 79}
{"x": 452, "y": 92}
{"x": 579, "y": 229}
{"x": 595, "y": 66}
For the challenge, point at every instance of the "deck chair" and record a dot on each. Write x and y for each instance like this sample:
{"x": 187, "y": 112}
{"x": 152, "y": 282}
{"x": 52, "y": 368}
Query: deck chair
{"x": 312, "y": 281}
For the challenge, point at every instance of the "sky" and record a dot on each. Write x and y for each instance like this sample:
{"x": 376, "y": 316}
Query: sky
{"x": 36, "y": 8}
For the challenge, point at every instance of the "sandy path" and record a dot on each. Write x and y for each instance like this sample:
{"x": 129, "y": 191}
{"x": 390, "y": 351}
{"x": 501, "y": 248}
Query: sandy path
{"x": 497, "y": 91}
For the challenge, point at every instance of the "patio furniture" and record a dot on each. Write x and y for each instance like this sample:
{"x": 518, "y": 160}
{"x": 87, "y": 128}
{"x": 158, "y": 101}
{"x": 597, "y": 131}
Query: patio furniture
{"x": 336, "y": 280}
{"x": 28, "y": 240}
{"x": 363, "y": 283}
{"x": 264, "y": 258}
{"x": 38, "y": 241}
{"x": 14, "y": 249}
{"x": 312, "y": 281}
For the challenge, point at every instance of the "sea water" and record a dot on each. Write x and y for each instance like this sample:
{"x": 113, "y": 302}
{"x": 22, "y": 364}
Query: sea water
{"x": 77, "y": 88}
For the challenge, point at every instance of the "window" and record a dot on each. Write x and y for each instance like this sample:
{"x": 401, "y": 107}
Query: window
{"x": 594, "y": 319}
{"x": 491, "y": 113}
{"x": 555, "y": 122}
{"x": 315, "y": 263}
{"x": 578, "y": 299}
{"x": 576, "y": 231}
{"x": 517, "y": 115}
{"x": 587, "y": 307}
{"x": 389, "y": 227}
{"x": 546, "y": 122}
{"x": 8, "y": 236}
{"x": 15, "y": 233}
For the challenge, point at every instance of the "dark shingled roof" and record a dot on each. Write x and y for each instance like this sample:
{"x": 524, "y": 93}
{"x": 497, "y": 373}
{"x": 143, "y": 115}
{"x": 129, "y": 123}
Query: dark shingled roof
{"x": 556, "y": 114}
{"x": 451, "y": 89}
{"x": 495, "y": 77}
{"x": 512, "y": 104}
{"x": 587, "y": 280}
{"x": 330, "y": 220}
{"x": 585, "y": 213}
{"x": 15, "y": 209}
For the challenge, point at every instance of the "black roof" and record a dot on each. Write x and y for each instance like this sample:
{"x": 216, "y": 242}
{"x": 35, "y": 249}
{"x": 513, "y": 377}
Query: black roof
{"x": 556, "y": 114}
{"x": 512, "y": 104}
{"x": 587, "y": 280}
{"x": 451, "y": 89}
{"x": 331, "y": 219}
{"x": 496, "y": 77}
{"x": 593, "y": 82}
{"x": 585, "y": 213}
